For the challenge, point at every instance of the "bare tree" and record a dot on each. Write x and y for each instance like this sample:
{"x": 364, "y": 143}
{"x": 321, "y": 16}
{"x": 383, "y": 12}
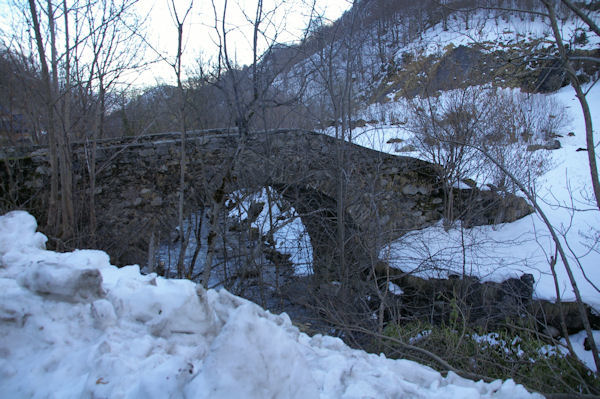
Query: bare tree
{"x": 82, "y": 51}
{"x": 247, "y": 91}
{"x": 503, "y": 122}
{"x": 106, "y": 32}
{"x": 335, "y": 71}
{"x": 179, "y": 21}
{"x": 567, "y": 64}
{"x": 60, "y": 154}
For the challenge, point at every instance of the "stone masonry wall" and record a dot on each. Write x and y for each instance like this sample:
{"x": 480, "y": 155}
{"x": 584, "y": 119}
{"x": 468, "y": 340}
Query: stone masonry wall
{"x": 137, "y": 180}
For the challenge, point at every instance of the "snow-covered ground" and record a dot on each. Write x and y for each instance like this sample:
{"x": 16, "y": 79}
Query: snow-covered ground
{"x": 499, "y": 252}
{"x": 73, "y": 326}
{"x": 496, "y": 253}
{"x": 497, "y": 30}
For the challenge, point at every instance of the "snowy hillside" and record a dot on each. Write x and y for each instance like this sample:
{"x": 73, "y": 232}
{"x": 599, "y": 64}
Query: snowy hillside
{"x": 392, "y": 52}
{"x": 499, "y": 252}
{"x": 496, "y": 253}
{"x": 74, "y": 326}
{"x": 492, "y": 30}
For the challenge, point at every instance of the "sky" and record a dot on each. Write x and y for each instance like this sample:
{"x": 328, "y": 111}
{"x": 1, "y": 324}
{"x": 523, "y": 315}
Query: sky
{"x": 285, "y": 21}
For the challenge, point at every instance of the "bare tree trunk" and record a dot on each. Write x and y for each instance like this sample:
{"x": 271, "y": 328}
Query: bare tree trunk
{"x": 182, "y": 167}
{"x": 183, "y": 127}
{"x": 211, "y": 241}
{"x": 271, "y": 238}
{"x": 572, "y": 74}
{"x": 53, "y": 209}
{"x": 563, "y": 256}
{"x": 66, "y": 161}
{"x": 341, "y": 233}
{"x": 151, "y": 250}
{"x": 563, "y": 322}
{"x": 198, "y": 233}
{"x": 64, "y": 153}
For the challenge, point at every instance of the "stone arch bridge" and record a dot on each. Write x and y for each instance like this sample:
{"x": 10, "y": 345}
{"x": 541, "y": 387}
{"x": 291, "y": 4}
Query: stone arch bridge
{"x": 382, "y": 195}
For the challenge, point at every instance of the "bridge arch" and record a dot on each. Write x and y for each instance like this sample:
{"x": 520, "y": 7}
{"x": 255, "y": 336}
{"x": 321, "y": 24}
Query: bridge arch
{"x": 383, "y": 196}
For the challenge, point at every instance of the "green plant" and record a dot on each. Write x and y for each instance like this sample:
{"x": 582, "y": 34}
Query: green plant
{"x": 501, "y": 355}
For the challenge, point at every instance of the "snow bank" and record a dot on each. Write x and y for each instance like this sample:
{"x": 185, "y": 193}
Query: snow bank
{"x": 72, "y": 326}
{"x": 496, "y": 253}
